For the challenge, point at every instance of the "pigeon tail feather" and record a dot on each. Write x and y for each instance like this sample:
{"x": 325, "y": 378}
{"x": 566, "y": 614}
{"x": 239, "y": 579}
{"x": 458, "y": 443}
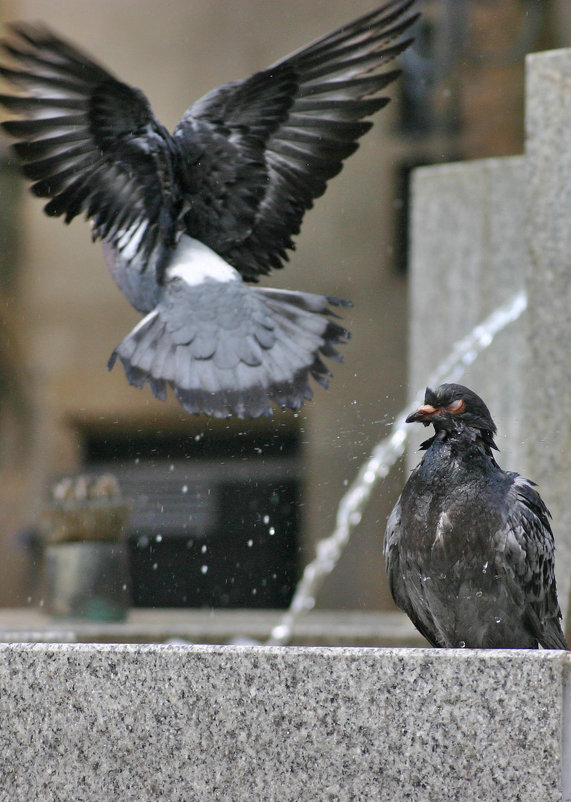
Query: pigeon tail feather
{"x": 260, "y": 348}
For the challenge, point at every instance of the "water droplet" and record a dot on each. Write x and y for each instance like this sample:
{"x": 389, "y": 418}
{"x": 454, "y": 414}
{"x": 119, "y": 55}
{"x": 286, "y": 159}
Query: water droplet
{"x": 485, "y": 567}
{"x": 204, "y": 569}
{"x": 184, "y": 489}
{"x": 266, "y": 519}
{"x": 271, "y": 530}
{"x": 250, "y": 543}
{"x": 462, "y": 644}
{"x": 479, "y": 594}
{"x": 155, "y": 566}
{"x": 498, "y": 620}
{"x": 204, "y": 548}
{"x": 159, "y": 538}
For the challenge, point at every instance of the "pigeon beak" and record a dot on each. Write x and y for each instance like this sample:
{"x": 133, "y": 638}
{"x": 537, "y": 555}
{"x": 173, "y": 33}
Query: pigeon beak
{"x": 422, "y": 414}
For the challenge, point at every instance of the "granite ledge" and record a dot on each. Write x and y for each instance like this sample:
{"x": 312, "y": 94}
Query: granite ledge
{"x": 185, "y": 723}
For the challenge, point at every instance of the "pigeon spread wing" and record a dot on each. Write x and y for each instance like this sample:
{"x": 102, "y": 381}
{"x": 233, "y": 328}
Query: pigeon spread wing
{"x": 89, "y": 143}
{"x": 290, "y": 128}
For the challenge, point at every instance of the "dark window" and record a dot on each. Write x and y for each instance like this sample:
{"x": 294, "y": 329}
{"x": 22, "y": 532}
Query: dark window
{"x": 215, "y": 519}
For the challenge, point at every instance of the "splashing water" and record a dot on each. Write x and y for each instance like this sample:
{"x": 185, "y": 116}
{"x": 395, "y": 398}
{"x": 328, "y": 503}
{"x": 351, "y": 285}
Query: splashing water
{"x": 384, "y": 456}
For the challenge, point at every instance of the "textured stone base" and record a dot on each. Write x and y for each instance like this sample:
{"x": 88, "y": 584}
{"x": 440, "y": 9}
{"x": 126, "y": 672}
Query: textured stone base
{"x": 82, "y": 723}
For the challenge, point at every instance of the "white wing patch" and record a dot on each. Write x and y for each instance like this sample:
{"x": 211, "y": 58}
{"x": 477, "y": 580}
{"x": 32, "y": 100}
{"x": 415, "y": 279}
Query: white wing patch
{"x": 195, "y": 262}
{"x": 128, "y": 240}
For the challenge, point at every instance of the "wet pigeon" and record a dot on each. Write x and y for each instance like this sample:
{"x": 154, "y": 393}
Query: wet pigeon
{"x": 468, "y": 547}
{"x": 188, "y": 218}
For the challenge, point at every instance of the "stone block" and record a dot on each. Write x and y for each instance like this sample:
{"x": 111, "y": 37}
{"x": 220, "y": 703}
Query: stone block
{"x": 467, "y": 258}
{"x": 93, "y": 723}
{"x": 547, "y": 389}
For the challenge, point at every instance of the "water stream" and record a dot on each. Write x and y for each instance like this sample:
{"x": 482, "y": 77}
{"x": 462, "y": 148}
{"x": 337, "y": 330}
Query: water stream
{"x": 382, "y": 459}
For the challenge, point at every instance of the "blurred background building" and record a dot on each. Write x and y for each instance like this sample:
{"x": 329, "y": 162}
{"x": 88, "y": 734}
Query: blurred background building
{"x": 226, "y": 513}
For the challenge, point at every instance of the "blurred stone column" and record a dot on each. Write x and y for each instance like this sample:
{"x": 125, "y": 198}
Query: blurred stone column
{"x": 468, "y": 258}
{"x": 547, "y": 397}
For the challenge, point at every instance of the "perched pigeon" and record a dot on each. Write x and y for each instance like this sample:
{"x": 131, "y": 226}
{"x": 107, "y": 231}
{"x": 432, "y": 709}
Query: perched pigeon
{"x": 186, "y": 219}
{"x": 468, "y": 546}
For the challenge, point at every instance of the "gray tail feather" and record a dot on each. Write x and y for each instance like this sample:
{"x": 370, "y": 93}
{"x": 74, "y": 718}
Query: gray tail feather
{"x": 222, "y": 368}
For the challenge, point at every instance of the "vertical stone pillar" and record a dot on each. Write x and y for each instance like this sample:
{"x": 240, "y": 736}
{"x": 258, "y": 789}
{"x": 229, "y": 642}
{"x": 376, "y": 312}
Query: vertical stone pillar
{"x": 547, "y": 396}
{"x": 468, "y": 258}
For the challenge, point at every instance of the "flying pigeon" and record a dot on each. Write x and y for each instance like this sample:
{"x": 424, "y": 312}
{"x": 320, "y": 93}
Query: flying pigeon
{"x": 468, "y": 548}
{"x": 188, "y": 219}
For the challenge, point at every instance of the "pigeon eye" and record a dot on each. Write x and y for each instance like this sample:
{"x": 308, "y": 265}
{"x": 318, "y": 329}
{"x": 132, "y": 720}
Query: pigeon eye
{"x": 456, "y": 406}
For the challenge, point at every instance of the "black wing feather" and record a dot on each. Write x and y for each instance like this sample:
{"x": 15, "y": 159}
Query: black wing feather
{"x": 303, "y": 116}
{"x": 244, "y": 165}
{"x": 89, "y": 142}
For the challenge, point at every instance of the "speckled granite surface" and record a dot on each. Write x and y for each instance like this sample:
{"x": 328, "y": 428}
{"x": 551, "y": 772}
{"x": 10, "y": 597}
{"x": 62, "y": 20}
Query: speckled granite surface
{"x": 83, "y": 723}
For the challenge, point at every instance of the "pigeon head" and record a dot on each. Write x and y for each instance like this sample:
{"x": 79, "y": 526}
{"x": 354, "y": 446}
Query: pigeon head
{"x": 453, "y": 407}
